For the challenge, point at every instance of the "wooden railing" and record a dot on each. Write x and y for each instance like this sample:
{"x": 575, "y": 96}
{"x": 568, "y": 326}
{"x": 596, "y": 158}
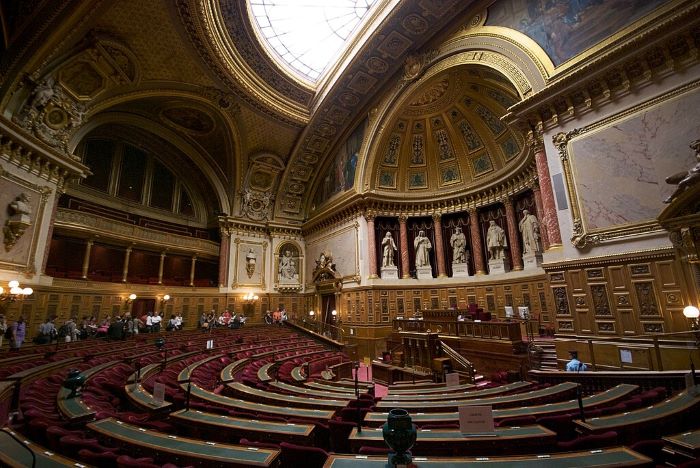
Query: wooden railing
{"x": 459, "y": 359}
{"x": 594, "y": 382}
{"x": 491, "y": 330}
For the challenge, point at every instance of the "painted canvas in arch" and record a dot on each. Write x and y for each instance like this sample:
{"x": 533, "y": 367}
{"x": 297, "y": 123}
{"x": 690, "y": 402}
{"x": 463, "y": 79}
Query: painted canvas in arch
{"x": 565, "y": 28}
{"x": 340, "y": 174}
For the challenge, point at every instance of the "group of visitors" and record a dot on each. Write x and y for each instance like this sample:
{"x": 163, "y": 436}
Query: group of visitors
{"x": 278, "y": 317}
{"x": 226, "y": 319}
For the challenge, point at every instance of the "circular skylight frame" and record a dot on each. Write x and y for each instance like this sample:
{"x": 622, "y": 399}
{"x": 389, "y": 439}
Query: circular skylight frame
{"x": 306, "y": 36}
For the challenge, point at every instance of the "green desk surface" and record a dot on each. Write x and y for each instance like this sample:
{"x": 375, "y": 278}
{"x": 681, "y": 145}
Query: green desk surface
{"x": 335, "y": 388}
{"x": 185, "y": 447}
{"x": 689, "y": 440}
{"x": 264, "y": 372}
{"x": 186, "y": 373}
{"x": 283, "y": 400}
{"x": 448, "y": 393}
{"x": 143, "y": 399}
{"x": 518, "y": 399}
{"x": 392, "y": 392}
{"x": 238, "y": 425}
{"x": 605, "y": 397}
{"x": 238, "y": 403}
{"x": 74, "y": 409}
{"x": 14, "y": 455}
{"x": 612, "y": 457}
{"x": 144, "y": 373}
{"x": 675, "y": 405}
{"x": 344, "y": 393}
{"x": 229, "y": 371}
{"x": 297, "y": 375}
{"x": 453, "y": 435}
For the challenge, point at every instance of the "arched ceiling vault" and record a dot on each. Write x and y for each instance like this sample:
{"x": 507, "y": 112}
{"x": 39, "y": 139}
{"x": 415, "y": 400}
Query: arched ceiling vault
{"x": 445, "y": 138}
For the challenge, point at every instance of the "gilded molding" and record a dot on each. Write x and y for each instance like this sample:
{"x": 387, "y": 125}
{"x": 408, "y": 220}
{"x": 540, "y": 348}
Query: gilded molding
{"x": 635, "y": 256}
{"x": 581, "y": 236}
{"x": 649, "y": 57}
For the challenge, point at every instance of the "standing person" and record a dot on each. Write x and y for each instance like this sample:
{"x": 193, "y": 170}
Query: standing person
{"x": 389, "y": 247}
{"x": 422, "y": 245}
{"x": 277, "y": 315}
{"x": 156, "y": 321}
{"x": 47, "y": 331}
{"x": 149, "y": 322}
{"x": 3, "y": 328}
{"x": 268, "y": 317}
{"x": 17, "y": 334}
{"x": 178, "y": 321}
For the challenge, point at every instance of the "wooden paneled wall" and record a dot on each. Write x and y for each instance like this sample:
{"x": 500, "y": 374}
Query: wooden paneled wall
{"x": 623, "y": 295}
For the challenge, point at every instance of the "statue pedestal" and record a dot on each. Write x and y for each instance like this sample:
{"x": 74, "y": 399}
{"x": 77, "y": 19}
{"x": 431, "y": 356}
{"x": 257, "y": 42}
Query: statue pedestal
{"x": 424, "y": 272}
{"x": 498, "y": 266}
{"x": 460, "y": 270}
{"x": 390, "y": 272}
{"x": 532, "y": 261}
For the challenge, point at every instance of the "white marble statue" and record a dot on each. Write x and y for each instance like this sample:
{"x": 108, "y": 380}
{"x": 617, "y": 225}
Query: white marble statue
{"x": 530, "y": 230}
{"x": 459, "y": 246}
{"x": 388, "y": 249}
{"x": 287, "y": 267}
{"x": 496, "y": 241}
{"x": 422, "y": 245}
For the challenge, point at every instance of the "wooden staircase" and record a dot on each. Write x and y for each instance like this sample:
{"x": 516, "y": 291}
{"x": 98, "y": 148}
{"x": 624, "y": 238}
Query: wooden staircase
{"x": 544, "y": 356}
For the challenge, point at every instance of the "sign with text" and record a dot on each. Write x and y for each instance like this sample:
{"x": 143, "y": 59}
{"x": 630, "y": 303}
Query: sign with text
{"x": 452, "y": 379}
{"x": 158, "y": 393}
{"x": 625, "y": 356}
{"x": 475, "y": 419}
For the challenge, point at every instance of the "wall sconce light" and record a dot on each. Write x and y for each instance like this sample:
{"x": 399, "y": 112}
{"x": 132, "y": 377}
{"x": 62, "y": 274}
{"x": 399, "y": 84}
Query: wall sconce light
{"x": 250, "y": 297}
{"x": 311, "y": 314}
{"x": 334, "y": 313}
{"x": 15, "y": 292}
{"x": 165, "y": 299}
{"x": 692, "y": 313}
{"x": 130, "y": 299}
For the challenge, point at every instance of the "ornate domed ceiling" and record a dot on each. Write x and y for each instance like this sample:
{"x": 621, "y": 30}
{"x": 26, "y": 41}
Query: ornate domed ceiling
{"x": 448, "y": 137}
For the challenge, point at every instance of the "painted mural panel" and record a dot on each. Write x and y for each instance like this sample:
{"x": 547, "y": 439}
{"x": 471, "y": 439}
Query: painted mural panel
{"x": 634, "y": 155}
{"x": 340, "y": 175}
{"x": 565, "y": 28}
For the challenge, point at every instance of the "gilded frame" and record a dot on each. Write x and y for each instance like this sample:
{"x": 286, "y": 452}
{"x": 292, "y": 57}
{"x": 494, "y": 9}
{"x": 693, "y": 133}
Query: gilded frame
{"x": 582, "y": 235}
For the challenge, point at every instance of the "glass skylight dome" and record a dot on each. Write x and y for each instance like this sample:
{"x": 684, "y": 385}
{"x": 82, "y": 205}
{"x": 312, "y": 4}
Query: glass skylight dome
{"x": 307, "y": 35}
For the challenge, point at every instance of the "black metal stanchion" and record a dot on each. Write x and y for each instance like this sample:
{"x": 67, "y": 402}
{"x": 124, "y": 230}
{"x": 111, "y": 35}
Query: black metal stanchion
{"x": 357, "y": 396}
{"x": 580, "y": 403}
{"x": 187, "y": 396}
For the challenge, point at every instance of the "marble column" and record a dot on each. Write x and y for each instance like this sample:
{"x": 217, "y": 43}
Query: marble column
{"x": 403, "y": 237}
{"x": 439, "y": 248}
{"x": 477, "y": 247}
{"x": 371, "y": 246}
{"x": 194, "y": 261}
{"x": 224, "y": 249}
{"x": 86, "y": 258}
{"x": 540, "y": 210}
{"x": 549, "y": 210}
{"x": 125, "y": 270}
{"x": 516, "y": 252}
{"x": 160, "y": 268}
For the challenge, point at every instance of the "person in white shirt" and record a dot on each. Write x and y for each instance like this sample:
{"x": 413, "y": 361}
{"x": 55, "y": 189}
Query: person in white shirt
{"x": 149, "y": 322}
{"x": 178, "y": 322}
{"x": 156, "y": 322}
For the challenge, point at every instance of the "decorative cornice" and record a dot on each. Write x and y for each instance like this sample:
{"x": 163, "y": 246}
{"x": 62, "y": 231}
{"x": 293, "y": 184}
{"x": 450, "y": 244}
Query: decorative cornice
{"x": 656, "y": 53}
{"x": 89, "y": 225}
{"x": 34, "y": 156}
{"x": 624, "y": 258}
{"x": 380, "y": 206}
